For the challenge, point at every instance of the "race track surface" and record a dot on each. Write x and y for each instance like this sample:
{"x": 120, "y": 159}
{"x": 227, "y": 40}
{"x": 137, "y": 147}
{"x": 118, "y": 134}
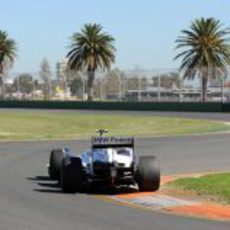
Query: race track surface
{"x": 192, "y": 115}
{"x": 30, "y": 201}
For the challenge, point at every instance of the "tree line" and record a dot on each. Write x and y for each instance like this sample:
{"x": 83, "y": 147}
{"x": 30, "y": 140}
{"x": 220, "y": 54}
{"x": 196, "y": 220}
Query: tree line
{"x": 203, "y": 48}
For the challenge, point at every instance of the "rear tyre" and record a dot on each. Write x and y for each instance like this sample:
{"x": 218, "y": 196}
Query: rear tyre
{"x": 56, "y": 157}
{"x": 71, "y": 175}
{"x": 148, "y": 174}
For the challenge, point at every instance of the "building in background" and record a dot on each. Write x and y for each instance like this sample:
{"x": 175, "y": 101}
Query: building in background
{"x": 62, "y": 76}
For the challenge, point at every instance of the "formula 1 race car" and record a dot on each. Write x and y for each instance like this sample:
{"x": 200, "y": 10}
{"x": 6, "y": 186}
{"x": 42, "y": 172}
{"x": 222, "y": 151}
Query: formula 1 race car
{"x": 110, "y": 161}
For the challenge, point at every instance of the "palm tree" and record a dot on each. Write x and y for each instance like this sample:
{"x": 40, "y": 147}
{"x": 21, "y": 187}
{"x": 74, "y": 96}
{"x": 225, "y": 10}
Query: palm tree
{"x": 91, "y": 49}
{"x": 7, "y": 51}
{"x": 205, "y": 51}
{"x": 7, "y": 55}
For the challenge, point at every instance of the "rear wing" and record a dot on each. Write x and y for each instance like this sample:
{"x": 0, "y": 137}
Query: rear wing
{"x": 112, "y": 142}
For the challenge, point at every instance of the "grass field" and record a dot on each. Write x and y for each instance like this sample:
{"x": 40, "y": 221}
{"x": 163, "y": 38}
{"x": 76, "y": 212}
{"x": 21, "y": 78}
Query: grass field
{"x": 215, "y": 187}
{"x": 37, "y": 125}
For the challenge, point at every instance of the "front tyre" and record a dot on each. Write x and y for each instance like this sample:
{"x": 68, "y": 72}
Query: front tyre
{"x": 55, "y": 163}
{"x": 148, "y": 174}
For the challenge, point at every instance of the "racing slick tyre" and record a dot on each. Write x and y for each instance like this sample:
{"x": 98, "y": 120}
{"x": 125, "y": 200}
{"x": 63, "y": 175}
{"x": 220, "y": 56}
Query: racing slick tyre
{"x": 148, "y": 174}
{"x": 71, "y": 175}
{"x": 55, "y": 164}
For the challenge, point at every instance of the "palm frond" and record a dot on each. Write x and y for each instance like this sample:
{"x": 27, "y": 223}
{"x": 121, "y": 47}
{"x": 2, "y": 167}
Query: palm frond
{"x": 7, "y": 51}
{"x": 91, "y": 49}
{"x": 204, "y": 46}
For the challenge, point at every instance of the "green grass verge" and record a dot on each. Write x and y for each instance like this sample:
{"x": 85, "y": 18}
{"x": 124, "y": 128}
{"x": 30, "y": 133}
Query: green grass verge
{"x": 35, "y": 125}
{"x": 215, "y": 187}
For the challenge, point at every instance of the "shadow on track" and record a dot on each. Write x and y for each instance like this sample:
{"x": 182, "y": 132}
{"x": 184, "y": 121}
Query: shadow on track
{"x": 109, "y": 191}
{"x": 47, "y": 185}
{"x": 39, "y": 178}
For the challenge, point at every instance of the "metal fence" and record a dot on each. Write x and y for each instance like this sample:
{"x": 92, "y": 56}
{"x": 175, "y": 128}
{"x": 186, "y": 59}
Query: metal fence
{"x": 115, "y": 85}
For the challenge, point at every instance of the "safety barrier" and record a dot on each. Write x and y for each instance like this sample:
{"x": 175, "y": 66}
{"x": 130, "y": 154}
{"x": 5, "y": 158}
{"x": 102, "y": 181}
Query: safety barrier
{"x": 135, "y": 106}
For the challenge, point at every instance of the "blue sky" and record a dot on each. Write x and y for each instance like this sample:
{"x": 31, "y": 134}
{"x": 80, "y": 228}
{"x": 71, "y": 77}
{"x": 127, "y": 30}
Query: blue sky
{"x": 145, "y": 30}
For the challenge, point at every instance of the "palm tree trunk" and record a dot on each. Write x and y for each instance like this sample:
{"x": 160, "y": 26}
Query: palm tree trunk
{"x": 1, "y": 85}
{"x": 91, "y": 76}
{"x": 204, "y": 88}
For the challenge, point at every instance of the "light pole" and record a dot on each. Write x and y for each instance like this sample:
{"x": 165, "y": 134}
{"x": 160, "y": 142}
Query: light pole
{"x": 33, "y": 82}
{"x": 222, "y": 88}
{"x": 101, "y": 88}
{"x": 18, "y": 88}
{"x": 139, "y": 87}
{"x": 83, "y": 88}
{"x": 159, "y": 87}
{"x": 119, "y": 87}
{"x": 65, "y": 85}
